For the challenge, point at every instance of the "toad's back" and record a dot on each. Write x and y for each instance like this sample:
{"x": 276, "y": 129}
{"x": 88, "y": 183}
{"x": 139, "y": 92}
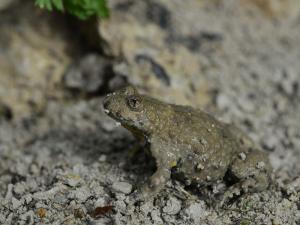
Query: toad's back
{"x": 204, "y": 146}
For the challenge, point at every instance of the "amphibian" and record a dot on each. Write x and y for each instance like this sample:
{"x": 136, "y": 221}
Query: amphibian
{"x": 200, "y": 147}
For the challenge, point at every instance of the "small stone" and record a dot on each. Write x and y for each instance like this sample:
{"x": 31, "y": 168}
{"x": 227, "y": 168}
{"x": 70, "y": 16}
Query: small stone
{"x": 28, "y": 217}
{"x": 41, "y": 212}
{"x": 102, "y": 158}
{"x": 203, "y": 141}
{"x": 242, "y": 156}
{"x": 72, "y": 180}
{"x": 15, "y": 203}
{"x": 19, "y": 188}
{"x": 79, "y": 213}
{"x": 32, "y": 184}
{"x": 9, "y": 194}
{"x": 190, "y": 157}
{"x": 200, "y": 166}
{"x": 34, "y": 169}
{"x": 260, "y": 165}
{"x": 2, "y": 219}
{"x": 100, "y": 202}
{"x": 172, "y": 207}
{"x": 28, "y": 198}
{"x": 223, "y": 101}
{"x": 270, "y": 142}
{"x": 196, "y": 211}
{"x": 82, "y": 194}
{"x": 60, "y": 198}
{"x": 122, "y": 187}
{"x": 187, "y": 182}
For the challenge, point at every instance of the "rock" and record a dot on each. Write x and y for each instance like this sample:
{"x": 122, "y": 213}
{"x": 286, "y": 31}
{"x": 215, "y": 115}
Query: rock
{"x": 19, "y": 188}
{"x": 2, "y": 219}
{"x": 223, "y": 101}
{"x": 100, "y": 202}
{"x": 15, "y": 203}
{"x": 28, "y": 217}
{"x": 46, "y": 195}
{"x": 270, "y": 142}
{"x": 173, "y": 206}
{"x": 9, "y": 193}
{"x": 277, "y": 8}
{"x": 72, "y": 180}
{"x": 27, "y": 198}
{"x": 122, "y": 187}
{"x": 89, "y": 74}
{"x": 196, "y": 211}
{"x": 81, "y": 194}
{"x": 60, "y": 198}
{"x": 33, "y": 57}
{"x": 102, "y": 158}
{"x": 151, "y": 55}
{"x": 4, "y": 4}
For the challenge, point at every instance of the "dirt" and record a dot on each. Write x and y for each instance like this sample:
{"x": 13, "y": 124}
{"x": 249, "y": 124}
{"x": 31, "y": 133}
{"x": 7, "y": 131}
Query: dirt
{"x": 63, "y": 161}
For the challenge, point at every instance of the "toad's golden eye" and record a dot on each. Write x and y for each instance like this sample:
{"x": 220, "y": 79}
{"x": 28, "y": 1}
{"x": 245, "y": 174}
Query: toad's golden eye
{"x": 134, "y": 102}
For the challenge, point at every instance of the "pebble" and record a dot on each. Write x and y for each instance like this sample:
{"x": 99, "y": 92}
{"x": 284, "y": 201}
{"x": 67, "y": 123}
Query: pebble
{"x": 102, "y": 158}
{"x": 172, "y": 207}
{"x": 60, "y": 198}
{"x": 9, "y": 194}
{"x": 15, "y": 203}
{"x": 28, "y": 198}
{"x": 28, "y": 218}
{"x": 19, "y": 188}
{"x": 200, "y": 166}
{"x": 223, "y": 101}
{"x": 242, "y": 156}
{"x": 196, "y": 211}
{"x": 72, "y": 180}
{"x": 82, "y": 194}
{"x": 122, "y": 187}
{"x": 270, "y": 142}
{"x": 260, "y": 165}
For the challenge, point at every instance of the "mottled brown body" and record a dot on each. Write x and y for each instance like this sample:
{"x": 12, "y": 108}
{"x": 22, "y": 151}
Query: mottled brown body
{"x": 200, "y": 147}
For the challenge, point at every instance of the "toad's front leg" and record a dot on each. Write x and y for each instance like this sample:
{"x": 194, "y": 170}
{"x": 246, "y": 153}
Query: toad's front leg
{"x": 165, "y": 160}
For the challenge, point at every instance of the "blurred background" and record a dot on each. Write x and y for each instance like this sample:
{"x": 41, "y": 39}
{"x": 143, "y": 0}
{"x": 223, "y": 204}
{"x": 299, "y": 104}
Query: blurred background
{"x": 237, "y": 59}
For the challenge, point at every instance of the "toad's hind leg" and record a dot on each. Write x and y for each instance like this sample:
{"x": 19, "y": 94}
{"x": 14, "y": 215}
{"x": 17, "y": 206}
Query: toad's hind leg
{"x": 252, "y": 171}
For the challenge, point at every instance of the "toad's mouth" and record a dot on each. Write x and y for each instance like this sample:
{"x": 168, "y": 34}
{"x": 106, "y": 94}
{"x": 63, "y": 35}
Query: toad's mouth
{"x": 119, "y": 118}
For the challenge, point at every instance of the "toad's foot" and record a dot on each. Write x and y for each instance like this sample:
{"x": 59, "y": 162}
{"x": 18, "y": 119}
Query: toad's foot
{"x": 155, "y": 184}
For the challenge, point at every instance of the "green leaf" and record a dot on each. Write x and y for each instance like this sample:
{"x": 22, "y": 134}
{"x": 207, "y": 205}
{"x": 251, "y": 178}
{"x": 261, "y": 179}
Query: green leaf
{"x": 58, "y": 4}
{"x": 83, "y": 9}
{"x": 103, "y": 10}
{"x": 44, "y": 4}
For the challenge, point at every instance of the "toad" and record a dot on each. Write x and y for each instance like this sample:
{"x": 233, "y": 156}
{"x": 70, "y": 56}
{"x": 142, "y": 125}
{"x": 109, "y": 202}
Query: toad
{"x": 201, "y": 148}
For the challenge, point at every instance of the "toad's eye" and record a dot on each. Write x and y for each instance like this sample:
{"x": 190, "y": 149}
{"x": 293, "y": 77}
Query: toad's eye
{"x": 134, "y": 102}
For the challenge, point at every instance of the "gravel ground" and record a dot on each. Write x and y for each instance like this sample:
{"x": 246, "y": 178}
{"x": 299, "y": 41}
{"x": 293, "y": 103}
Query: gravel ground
{"x": 70, "y": 164}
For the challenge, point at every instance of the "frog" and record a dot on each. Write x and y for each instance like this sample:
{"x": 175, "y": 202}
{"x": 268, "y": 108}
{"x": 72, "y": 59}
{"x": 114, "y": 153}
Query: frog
{"x": 191, "y": 142}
